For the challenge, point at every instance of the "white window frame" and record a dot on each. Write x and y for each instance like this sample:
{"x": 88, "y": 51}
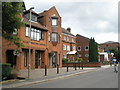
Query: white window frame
{"x": 68, "y": 48}
{"x": 86, "y": 49}
{"x": 78, "y": 47}
{"x": 54, "y": 22}
{"x": 49, "y": 36}
{"x": 54, "y": 37}
{"x": 86, "y": 55}
{"x": 64, "y": 47}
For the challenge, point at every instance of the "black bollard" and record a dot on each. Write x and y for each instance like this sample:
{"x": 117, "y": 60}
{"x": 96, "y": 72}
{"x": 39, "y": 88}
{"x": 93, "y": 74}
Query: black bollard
{"x": 45, "y": 70}
{"x": 82, "y": 66}
{"x": 75, "y": 67}
{"x": 57, "y": 69}
{"x": 67, "y": 67}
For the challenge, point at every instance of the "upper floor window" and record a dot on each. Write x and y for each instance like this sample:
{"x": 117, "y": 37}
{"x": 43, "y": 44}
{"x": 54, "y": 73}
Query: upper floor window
{"x": 74, "y": 48}
{"x": 54, "y": 22}
{"x": 73, "y": 40}
{"x": 86, "y": 48}
{"x": 48, "y": 36}
{"x": 64, "y": 47}
{"x": 79, "y": 48}
{"x": 33, "y": 17}
{"x": 68, "y": 48}
{"x": 35, "y": 34}
{"x": 54, "y": 37}
{"x": 65, "y": 38}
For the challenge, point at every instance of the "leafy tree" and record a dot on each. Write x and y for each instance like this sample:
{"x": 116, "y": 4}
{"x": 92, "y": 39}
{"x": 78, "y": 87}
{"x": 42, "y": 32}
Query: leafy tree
{"x": 11, "y": 21}
{"x": 116, "y": 53}
{"x": 93, "y": 51}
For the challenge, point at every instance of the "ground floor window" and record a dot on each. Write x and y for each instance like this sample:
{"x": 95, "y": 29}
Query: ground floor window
{"x": 25, "y": 58}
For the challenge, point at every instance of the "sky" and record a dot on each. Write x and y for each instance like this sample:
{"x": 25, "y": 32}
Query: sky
{"x": 89, "y": 18}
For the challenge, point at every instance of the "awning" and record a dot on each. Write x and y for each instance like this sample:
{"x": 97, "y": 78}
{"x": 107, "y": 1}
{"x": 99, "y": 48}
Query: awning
{"x": 71, "y": 52}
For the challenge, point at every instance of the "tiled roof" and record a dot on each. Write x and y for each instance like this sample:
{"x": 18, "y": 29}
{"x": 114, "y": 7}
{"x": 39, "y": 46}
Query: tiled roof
{"x": 35, "y": 24}
{"x": 66, "y": 32}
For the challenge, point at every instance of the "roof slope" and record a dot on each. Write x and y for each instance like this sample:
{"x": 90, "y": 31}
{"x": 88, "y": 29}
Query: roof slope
{"x": 67, "y": 32}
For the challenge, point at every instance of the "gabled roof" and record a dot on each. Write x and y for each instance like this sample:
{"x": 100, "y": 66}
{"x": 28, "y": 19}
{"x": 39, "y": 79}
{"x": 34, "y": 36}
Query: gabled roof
{"x": 67, "y": 32}
{"x": 83, "y": 37}
{"x": 55, "y": 9}
{"x": 49, "y": 10}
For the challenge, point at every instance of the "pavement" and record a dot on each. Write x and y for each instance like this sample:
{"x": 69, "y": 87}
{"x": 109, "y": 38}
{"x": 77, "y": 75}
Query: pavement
{"x": 37, "y": 76}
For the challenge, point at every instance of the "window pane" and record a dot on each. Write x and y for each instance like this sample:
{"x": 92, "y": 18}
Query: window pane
{"x": 54, "y": 22}
{"x": 39, "y": 35}
{"x": 27, "y": 31}
{"x": 32, "y": 33}
{"x": 42, "y": 35}
{"x": 54, "y": 37}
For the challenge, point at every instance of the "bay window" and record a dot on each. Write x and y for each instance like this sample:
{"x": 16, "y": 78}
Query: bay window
{"x": 54, "y": 37}
{"x": 35, "y": 34}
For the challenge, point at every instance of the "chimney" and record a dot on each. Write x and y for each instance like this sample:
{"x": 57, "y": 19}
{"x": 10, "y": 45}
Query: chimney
{"x": 69, "y": 29}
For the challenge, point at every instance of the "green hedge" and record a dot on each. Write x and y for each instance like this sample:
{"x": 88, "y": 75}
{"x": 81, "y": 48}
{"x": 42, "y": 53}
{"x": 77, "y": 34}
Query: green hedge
{"x": 6, "y": 70}
{"x": 64, "y": 60}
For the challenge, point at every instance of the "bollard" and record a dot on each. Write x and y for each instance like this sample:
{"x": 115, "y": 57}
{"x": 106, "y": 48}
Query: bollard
{"x": 82, "y": 66}
{"x": 45, "y": 70}
{"x": 75, "y": 67}
{"x": 57, "y": 69}
{"x": 67, "y": 67}
{"x": 79, "y": 65}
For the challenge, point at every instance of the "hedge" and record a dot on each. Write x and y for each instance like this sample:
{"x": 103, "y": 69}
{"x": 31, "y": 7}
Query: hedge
{"x": 6, "y": 70}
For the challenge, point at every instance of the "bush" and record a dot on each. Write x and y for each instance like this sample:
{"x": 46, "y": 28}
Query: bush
{"x": 65, "y": 60}
{"x": 6, "y": 70}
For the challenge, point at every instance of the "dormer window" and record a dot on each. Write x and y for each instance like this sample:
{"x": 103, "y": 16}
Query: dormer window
{"x": 34, "y": 18}
{"x": 54, "y": 22}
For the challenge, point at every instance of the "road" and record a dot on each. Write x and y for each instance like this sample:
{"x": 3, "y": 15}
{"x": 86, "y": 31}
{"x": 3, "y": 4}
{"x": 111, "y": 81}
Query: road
{"x": 102, "y": 78}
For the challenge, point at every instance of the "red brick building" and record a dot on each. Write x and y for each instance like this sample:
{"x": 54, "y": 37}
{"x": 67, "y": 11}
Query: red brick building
{"x": 110, "y": 44}
{"x": 52, "y": 20}
{"x": 68, "y": 42}
{"x": 82, "y": 44}
{"x": 46, "y": 41}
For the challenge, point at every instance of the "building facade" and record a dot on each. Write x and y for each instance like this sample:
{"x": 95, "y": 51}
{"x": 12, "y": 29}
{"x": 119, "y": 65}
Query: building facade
{"x": 52, "y": 20}
{"x": 44, "y": 41}
{"x": 68, "y": 43}
{"x": 82, "y": 44}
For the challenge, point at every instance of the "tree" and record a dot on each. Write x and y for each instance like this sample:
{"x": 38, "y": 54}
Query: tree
{"x": 93, "y": 51}
{"x": 116, "y": 53}
{"x": 11, "y": 21}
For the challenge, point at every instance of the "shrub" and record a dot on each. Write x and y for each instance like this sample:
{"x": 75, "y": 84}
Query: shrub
{"x": 6, "y": 70}
{"x": 80, "y": 60}
{"x": 65, "y": 60}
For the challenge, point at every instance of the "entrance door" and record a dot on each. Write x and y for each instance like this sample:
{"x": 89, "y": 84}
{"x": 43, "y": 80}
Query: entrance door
{"x": 11, "y": 58}
{"x": 37, "y": 59}
{"x": 54, "y": 59}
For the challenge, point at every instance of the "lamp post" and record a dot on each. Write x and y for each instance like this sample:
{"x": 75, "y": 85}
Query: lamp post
{"x": 29, "y": 45}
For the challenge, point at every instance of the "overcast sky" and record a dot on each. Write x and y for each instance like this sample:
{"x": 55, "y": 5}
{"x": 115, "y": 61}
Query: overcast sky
{"x": 93, "y": 18}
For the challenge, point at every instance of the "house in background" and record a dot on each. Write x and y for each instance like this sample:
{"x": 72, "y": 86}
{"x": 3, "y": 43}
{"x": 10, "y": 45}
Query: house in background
{"x": 68, "y": 43}
{"x": 83, "y": 50}
{"x": 82, "y": 44}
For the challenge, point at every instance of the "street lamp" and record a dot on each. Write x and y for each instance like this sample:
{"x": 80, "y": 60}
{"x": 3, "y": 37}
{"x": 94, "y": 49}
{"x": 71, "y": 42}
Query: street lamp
{"x": 29, "y": 44}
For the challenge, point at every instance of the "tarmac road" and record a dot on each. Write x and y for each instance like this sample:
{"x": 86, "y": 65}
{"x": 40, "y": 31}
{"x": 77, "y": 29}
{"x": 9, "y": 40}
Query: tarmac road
{"x": 102, "y": 78}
